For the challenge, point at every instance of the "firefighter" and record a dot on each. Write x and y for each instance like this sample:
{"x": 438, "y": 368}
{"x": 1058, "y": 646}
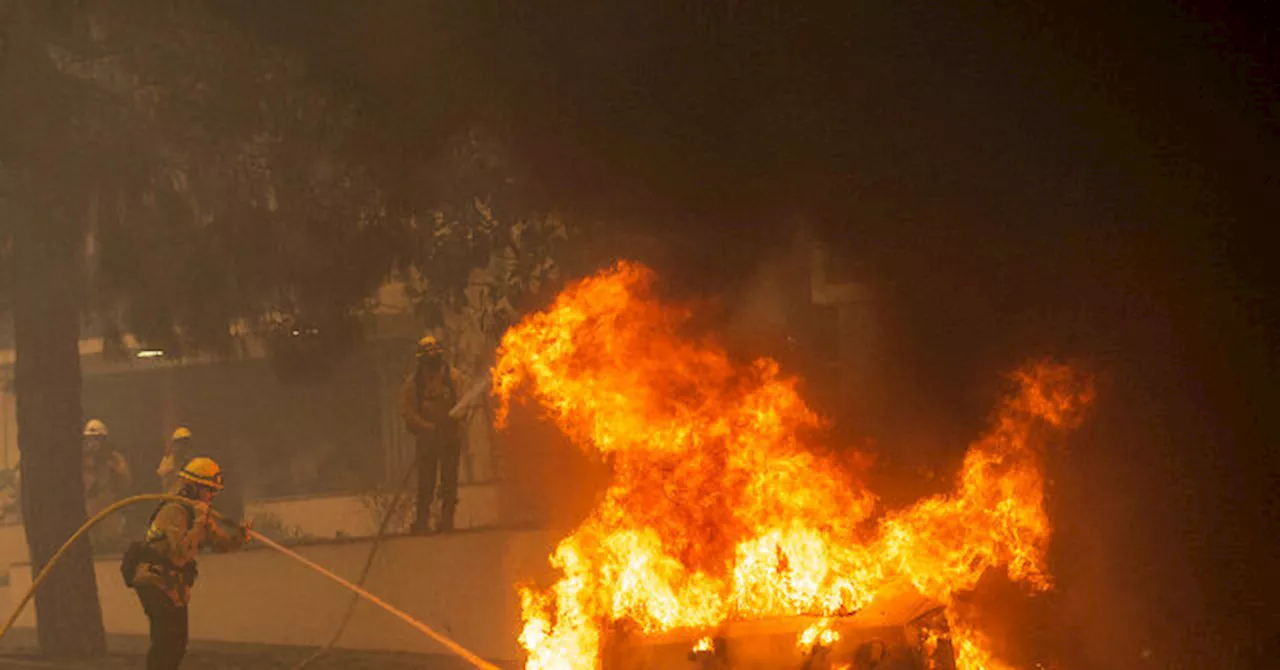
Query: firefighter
{"x": 11, "y": 493}
{"x": 162, "y": 568}
{"x": 177, "y": 450}
{"x": 106, "y": 480}
{"x": 427, "y": 397}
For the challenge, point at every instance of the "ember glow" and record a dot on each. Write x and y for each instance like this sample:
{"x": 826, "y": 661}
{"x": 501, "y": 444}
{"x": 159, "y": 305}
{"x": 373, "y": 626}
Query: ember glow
{"x": 717, "y": 511}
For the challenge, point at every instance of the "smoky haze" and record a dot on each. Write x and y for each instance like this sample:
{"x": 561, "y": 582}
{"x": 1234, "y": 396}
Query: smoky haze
{"x": 1014, "y": 181}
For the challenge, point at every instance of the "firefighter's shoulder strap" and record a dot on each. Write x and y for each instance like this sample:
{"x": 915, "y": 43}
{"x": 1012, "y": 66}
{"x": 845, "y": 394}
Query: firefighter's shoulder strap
{"x": 142, "y": 552}
{"x": 191, "y": 514}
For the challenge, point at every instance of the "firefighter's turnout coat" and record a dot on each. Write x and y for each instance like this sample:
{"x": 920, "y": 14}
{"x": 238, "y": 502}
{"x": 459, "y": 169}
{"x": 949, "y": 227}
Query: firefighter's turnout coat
{"x": 166, "y": 559}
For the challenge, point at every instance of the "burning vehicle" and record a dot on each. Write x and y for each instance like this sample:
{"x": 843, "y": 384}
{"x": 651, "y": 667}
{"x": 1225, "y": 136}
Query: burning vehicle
{"x": 902, "y": 630}
{"x": 724, "y": 534}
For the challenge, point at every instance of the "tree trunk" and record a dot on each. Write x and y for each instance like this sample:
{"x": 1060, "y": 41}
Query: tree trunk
{"x": 47, "y": 147}
{"x": 47, "y": 376}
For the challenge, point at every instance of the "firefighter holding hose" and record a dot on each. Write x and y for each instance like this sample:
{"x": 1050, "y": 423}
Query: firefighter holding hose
{"x": 426, "y": 399}
{"x": 162, "y": 568}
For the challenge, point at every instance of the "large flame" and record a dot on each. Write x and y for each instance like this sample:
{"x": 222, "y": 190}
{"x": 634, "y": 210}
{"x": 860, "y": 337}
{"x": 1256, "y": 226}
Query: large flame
{"x": 718, "y": 512}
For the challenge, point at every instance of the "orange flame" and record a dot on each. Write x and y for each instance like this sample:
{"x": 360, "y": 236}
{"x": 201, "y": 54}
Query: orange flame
{"x": 716, "y": 510}
{"x": 820, "y": 634}
{"x": 972, "y": 650}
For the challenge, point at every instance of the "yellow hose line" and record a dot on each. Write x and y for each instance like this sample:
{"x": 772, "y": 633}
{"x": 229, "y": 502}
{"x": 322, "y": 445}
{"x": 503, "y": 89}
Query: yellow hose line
{"x": 57, "y": 556}
{"x": 400, "y": 614}
{"x": 114, "y": 507}
{"x": 364, "y": 574}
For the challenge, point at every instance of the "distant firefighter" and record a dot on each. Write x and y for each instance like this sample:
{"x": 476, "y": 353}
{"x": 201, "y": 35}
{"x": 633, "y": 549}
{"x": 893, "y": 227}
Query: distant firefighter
{"x": 177, "y": 450}
{"x": 106, "y": 480}
{"x": 427, "y": 397}
{"x": 11, "y": 493}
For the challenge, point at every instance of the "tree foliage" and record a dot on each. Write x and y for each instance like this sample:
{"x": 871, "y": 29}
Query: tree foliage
{"x": 243, "y": 189}
{"x": 489, "y": 249}
{"x": 230, "y": 198}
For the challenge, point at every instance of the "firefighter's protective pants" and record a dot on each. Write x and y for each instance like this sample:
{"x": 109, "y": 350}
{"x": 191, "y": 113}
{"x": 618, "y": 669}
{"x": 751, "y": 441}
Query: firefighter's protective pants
{"x": 438, "y": 456}
{"x": 168, "y": 628}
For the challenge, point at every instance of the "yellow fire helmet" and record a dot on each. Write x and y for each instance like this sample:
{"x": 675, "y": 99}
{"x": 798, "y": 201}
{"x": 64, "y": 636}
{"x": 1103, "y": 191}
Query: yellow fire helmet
{"x": 181, "y": 433}
{"x": 95, "y": 428}
{"x": 202, "y": 471}
{"x": 428, "y": 346}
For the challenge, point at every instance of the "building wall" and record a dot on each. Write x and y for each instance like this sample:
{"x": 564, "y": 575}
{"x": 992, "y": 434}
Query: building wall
{"x": 309, "y": 454}
{"x": 340, "y": 432}
{"x": 274, "y": 438}
{"x": 460, "y": 584}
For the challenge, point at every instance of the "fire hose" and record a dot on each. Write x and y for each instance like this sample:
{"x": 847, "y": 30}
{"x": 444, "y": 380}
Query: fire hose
{"x": 449, "y": 644}
{"x": 364, "y": 572}
{"x": 459, "y": 410}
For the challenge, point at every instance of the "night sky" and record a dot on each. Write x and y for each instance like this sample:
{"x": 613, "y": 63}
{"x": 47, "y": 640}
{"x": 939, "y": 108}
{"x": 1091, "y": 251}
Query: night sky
{"x": 1089, "y": 180}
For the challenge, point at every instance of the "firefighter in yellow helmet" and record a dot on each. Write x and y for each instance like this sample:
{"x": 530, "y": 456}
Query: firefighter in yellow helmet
{"x": 176, "y": 451}
{"x": 425, "y": 401}
{"x": 162, "y": 568}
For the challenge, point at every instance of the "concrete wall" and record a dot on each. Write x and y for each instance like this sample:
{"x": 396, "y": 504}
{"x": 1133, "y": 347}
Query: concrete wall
{"x": 321, "y": 518}
{"x": 329, "y": 517}
{"x": 461, "y": 584}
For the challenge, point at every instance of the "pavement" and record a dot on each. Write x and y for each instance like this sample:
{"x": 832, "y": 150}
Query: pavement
{"x": 279, "y": 658}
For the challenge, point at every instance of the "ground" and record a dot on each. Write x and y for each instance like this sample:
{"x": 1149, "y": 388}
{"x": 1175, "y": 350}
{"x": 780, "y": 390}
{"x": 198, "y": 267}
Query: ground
{"x": 260, "y": 659}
